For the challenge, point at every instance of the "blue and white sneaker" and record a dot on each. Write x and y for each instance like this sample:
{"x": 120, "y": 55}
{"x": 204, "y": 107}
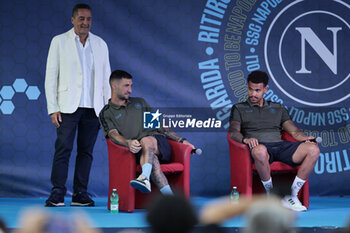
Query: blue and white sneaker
{"x": 141, "y": 183}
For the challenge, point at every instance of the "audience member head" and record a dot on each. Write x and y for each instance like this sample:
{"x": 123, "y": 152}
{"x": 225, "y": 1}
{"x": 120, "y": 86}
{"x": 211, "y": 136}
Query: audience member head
{"x": 269, "y": 216}
{"x": 40, "y": 221}
{"x": 258, "y": 77}
{"x": 347, "y": 228}
{"x": 3, "y": 228}
{"x": 171, "y": 214}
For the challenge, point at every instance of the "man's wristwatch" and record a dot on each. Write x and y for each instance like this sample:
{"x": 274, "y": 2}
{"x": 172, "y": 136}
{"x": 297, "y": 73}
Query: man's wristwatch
{"x": 182, "y": 140}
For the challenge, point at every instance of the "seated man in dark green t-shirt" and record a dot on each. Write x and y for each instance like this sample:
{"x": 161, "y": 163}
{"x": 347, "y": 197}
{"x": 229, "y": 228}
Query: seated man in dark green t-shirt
{"x": 258, "y": 123}
{"x": 122, "y": 121}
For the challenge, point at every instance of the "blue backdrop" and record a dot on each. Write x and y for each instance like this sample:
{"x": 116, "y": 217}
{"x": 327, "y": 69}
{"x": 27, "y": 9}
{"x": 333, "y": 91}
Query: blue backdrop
{"x": 183, "y": 54}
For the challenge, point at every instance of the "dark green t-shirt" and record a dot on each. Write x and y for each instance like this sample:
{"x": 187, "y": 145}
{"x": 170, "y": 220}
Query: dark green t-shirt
{"x": 128, "y": 120}
{"x": 263, "y": 123}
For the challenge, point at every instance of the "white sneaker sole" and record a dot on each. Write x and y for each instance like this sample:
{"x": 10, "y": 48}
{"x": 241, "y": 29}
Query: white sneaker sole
{"x": 294, "y": 208}
{"x": 51, "y": 204}
{"x": 81, "y": 204}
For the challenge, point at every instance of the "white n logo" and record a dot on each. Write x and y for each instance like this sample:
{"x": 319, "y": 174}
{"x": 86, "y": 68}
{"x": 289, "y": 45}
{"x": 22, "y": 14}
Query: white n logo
{"x": 307, "y": 34}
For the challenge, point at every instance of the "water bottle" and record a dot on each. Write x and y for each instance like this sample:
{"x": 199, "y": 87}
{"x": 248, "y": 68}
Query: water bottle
{"x": 114, "y": 202}
{"x": 234, "y": 195}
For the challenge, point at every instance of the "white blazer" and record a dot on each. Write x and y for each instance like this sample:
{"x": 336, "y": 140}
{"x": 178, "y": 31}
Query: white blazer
{"x": 63, "y": 79}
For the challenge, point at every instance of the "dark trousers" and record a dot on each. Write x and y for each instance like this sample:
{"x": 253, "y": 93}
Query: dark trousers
{"x": 85, "y": 122}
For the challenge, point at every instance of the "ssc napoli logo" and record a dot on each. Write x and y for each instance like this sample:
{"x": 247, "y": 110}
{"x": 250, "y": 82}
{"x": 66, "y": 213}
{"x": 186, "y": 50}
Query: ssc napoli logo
{"x": 303, "y": 46}
{"x": 306, "y": 51}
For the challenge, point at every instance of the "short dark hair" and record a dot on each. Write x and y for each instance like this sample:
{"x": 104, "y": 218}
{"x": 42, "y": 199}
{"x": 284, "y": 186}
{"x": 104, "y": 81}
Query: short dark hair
{"x": 118, "y": 75}
{"x": 258, "y": 77}
{"x": 80, "y": 6}
{"x": 171, "y": 214}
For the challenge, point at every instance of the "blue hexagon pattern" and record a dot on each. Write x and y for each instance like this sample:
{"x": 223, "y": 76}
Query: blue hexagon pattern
{"x": 7, "y": 92}
{"x": 20, "y": 85}
{"x": 7, "y": 107}
{"x": 33, "y": 92}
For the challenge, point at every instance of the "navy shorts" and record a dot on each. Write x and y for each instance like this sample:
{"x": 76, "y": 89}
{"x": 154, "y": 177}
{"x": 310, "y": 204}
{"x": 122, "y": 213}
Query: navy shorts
{"x": 281, "y": 151}
{"x": 163, "y": 148}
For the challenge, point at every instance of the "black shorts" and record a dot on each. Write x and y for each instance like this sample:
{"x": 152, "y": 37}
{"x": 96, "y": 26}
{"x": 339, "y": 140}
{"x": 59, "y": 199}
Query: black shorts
{"x": 281, "y": 151}
{"x": 163, "y": 148}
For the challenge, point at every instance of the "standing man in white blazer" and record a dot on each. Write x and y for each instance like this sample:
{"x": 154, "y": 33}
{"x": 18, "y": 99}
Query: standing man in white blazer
{"x": 77, "y": 88}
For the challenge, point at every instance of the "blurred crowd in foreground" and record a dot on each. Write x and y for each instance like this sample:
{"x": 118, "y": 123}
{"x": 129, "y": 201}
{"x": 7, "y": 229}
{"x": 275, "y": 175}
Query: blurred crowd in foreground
{"x": 175, "y": 214}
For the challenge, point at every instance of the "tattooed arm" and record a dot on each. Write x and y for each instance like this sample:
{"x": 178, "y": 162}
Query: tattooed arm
{"x": 133, "y": 145}
{"x": 235, "y": 134}
{"x": 235, "y": 128}
{"x": 117, "y": 138}
{"x": 170, "y": 134}
{"x": 235, "y": 131}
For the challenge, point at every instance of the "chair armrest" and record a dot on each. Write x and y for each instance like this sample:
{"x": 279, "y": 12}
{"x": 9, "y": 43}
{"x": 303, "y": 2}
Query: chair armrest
{"x": 180, "y": 152}
{"x": 241, "y": 166}
{"x": 120, "y": 158}
{"x": 122, "y": 169}
{"x": 287, "y": 137}
{"x": 239, "y": 152}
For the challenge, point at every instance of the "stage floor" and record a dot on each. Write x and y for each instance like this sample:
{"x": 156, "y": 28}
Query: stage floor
{"x": 324, "y": 212}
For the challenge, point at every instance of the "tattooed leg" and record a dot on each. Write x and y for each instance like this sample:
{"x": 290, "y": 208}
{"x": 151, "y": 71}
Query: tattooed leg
{"x": 157, "y": 175}
{"x": 149, "y": 149}
{"x": 149, "y": 155}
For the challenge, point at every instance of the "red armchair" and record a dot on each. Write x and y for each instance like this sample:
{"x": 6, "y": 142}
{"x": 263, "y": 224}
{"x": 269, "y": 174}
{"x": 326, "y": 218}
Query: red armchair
{"x": 246, "y": 178}
{"x": 123, "y": 168}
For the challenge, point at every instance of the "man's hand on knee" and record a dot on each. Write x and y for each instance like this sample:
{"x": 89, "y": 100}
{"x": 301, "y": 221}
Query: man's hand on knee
{"x": 251, "y": 142}
{"x": 134, "y": 146}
